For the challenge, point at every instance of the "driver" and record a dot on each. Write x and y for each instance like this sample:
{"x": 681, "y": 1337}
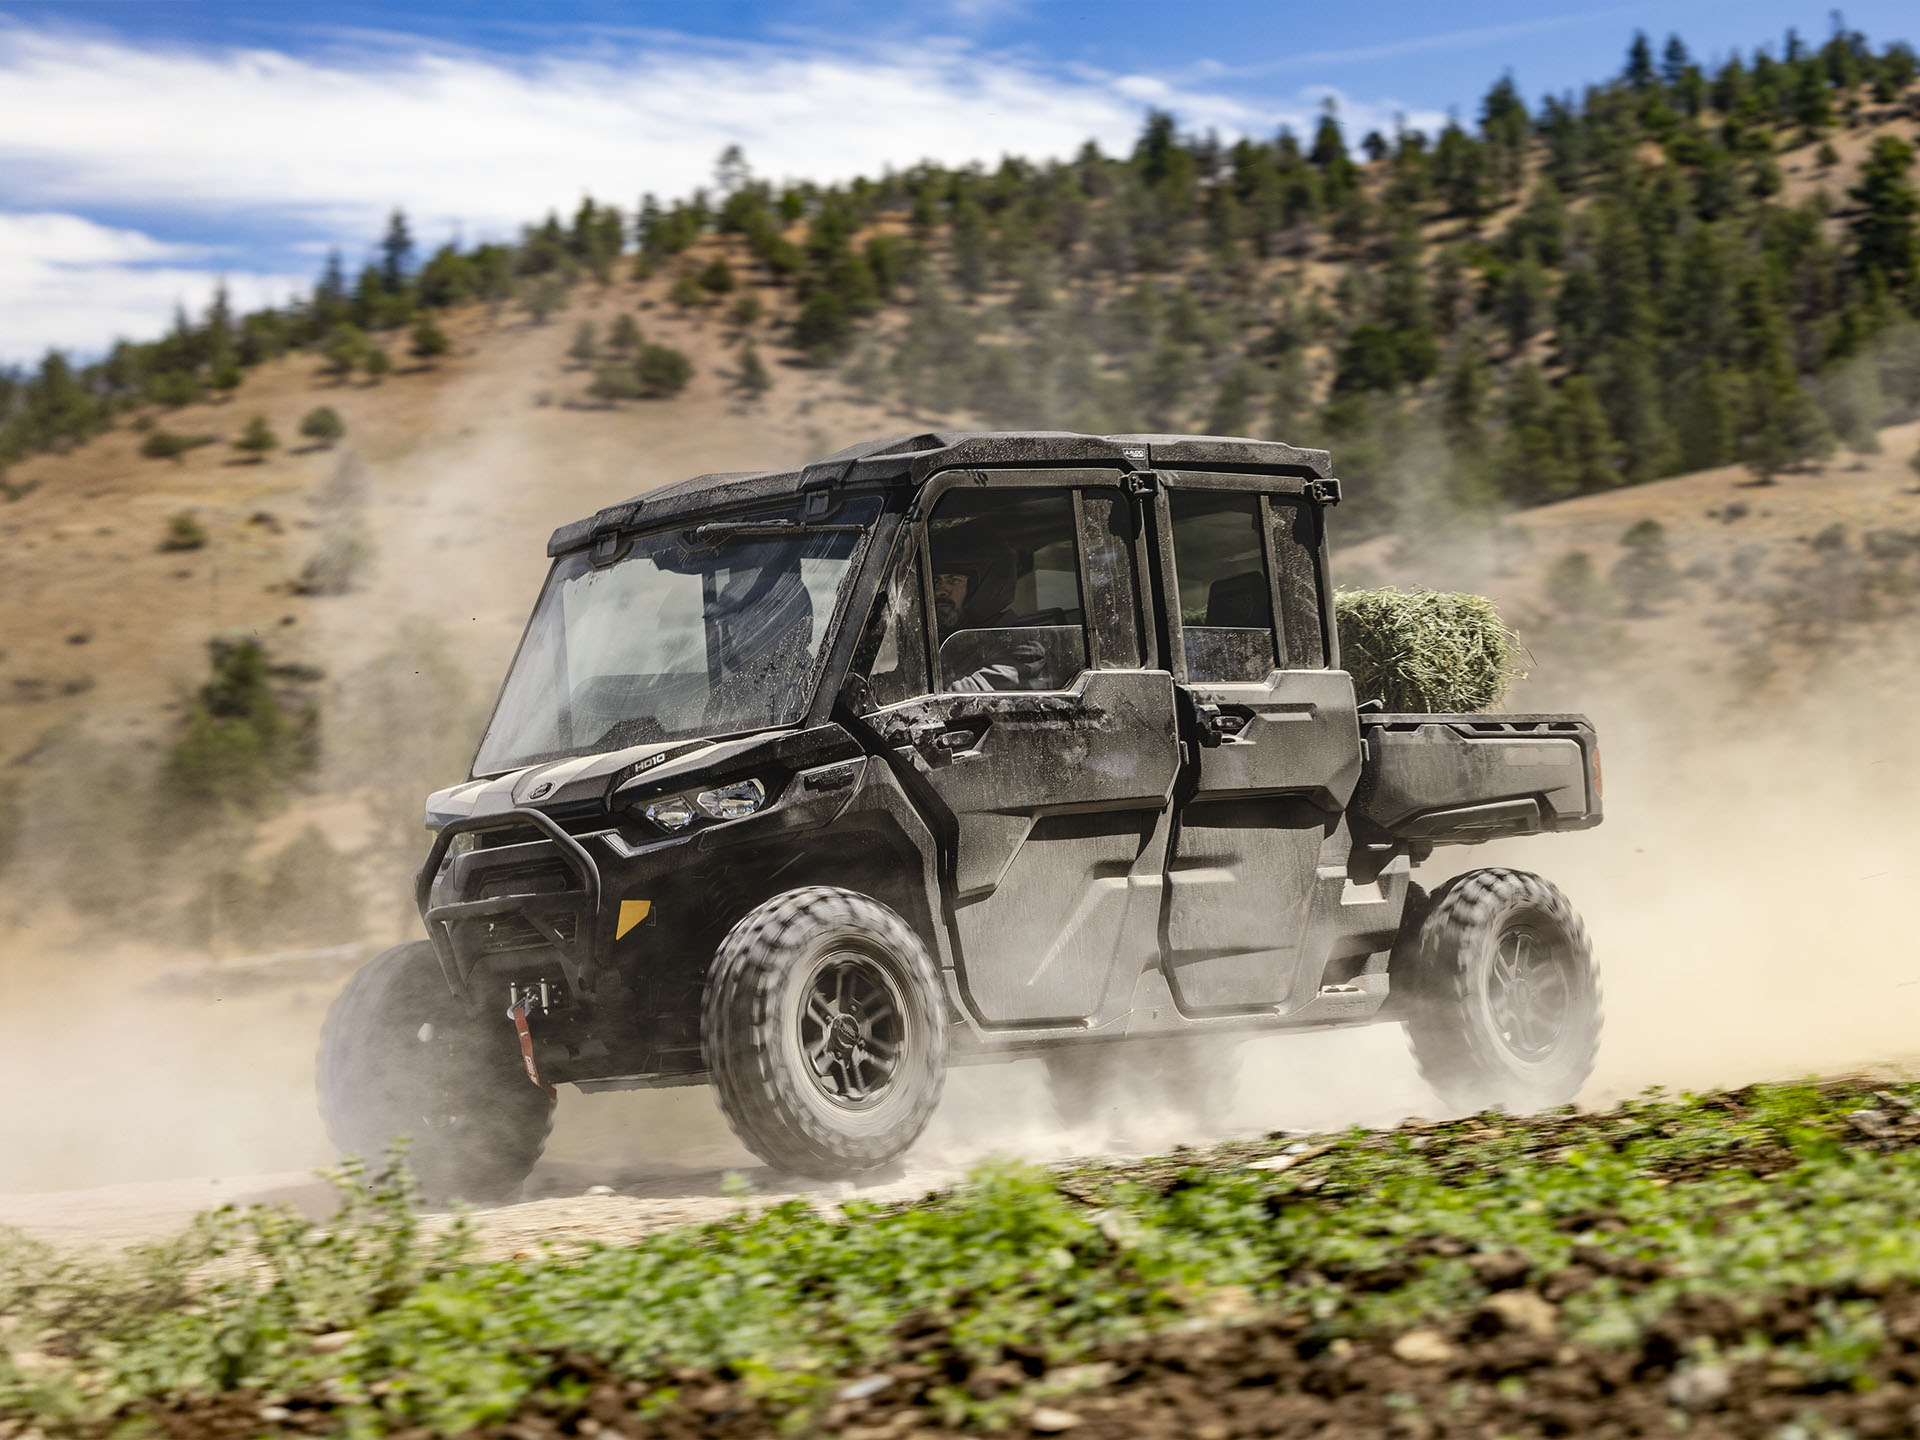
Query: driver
{"x": 971, "y": 591}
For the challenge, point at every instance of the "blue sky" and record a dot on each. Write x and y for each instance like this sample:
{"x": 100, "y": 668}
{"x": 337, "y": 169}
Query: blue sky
{"x": 147, "y": 146}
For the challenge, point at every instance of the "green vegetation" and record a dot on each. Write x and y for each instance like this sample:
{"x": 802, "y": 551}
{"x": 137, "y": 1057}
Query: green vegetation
{"x": 754, "y": 378}
{"x": 1425, "y": 652}
{"x": 184, "y": 532}
{"x": 240, "y": 748}
{"x": 662, "y": 370}
{"x": 257, "y": 441}
{"x": 1588, "y": 291}
{"x": 165, "y": 445}
{"x": 745, "y": 312}
{"x": 1645, "y": 575}
{"x": 1768, "y": 1228}
{"x": 323, "y": 426}
{"x": 429, "y": 342}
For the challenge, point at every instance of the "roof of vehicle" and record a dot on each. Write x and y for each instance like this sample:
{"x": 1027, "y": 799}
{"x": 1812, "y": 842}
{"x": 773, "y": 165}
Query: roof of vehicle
{"x": 910, "y": 459}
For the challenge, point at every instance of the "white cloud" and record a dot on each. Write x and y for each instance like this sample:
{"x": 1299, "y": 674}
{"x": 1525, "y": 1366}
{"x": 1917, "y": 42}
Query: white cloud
{"x": 260, "y": 140}
{"x": 68, "y": 283}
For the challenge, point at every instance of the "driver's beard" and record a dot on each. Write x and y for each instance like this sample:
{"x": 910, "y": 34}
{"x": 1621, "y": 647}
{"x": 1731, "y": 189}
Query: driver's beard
{"x": 948, "y": 614}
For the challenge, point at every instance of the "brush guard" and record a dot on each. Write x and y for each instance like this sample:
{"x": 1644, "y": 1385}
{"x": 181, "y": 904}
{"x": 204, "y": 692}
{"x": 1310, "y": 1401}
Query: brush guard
{"x": 446, "y": 924}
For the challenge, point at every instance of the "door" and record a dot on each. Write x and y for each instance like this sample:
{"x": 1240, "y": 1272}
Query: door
{"x": 1038, "y": 724}
{"x": 1275, "y": 737}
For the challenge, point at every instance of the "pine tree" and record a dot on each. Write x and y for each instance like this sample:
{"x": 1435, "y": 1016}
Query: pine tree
{"x": 396, "y": 253}
{"x": 1582, "y": 437}
{"x": 1883, "y": 228}
{"x": 1523, "y": 299}
{"x": 376, "y": 363}
{"x": 1707, "y": 416}
{"x": 1531, "y": 464}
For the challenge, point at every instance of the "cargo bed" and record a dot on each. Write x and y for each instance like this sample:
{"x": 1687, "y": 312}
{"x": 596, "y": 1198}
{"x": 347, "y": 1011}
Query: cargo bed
{"x": 1463, "y": 779}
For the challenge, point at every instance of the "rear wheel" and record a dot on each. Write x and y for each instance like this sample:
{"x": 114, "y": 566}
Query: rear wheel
{"x": 400, "y": 1056}
{"x": 1504, "y": 999}
{"x": 825, "y": 1032}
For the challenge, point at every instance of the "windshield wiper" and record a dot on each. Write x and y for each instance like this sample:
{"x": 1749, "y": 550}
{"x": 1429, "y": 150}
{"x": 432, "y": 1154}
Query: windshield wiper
{"x": 718, "y": 532}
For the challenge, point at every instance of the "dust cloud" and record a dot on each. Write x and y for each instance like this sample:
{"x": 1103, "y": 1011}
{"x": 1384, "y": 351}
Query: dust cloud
{"x": 1749, "y": 897}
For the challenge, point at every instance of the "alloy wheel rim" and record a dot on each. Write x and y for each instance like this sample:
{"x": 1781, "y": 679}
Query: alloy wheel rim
{"x": 853, "y": 1030}
{"x": 1529, "y": 994}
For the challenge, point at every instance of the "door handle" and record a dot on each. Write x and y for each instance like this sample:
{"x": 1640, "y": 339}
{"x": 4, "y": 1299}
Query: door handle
{"x": 944, "y": 746}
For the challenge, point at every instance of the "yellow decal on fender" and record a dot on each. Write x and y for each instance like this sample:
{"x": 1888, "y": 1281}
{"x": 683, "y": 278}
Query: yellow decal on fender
{"x": 632, "y": 912}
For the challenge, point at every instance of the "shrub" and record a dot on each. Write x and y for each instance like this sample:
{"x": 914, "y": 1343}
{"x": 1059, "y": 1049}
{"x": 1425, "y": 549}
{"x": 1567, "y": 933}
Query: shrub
{"x": 624, "y": 337}
{"x": 1424, "y": 651}
{"x": 238, "y": 749}
{"x": 165, "y": 445}
{"x": 257, "y": 441}
{"x": 686, "y": 293}
{"x": 1645, "y": 575}
{"x": 745, "y": 312}
{"x": 183, "y": 533}
{"x": 346, "y": 348}
{"x": 616, "y": 382}
{"x": 585, "y": 348}
{"x": 662, "y": 370}
{"x": 754, "y": 378}
{"x": 823, "y": 329}
{"x": 323, "y": 425}
{"x": 174, "y": 388}
{"x": 429, "y": 340}
{"x": 542, "y": 297}
{"x": 717, "y": 277}
{"x": 376, "y": 363}
{"x": 1575, "y": 589}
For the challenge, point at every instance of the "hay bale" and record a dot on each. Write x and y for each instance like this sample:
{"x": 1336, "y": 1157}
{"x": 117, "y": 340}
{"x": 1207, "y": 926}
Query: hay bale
{"x": 1426, "y": 651}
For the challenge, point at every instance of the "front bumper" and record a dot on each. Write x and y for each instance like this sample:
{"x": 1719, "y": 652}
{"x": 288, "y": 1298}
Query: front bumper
{"x": 563, "y": 919}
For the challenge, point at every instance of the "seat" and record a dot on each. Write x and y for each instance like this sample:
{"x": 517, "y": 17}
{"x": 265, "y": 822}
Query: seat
{"x": 1240, "y": 602}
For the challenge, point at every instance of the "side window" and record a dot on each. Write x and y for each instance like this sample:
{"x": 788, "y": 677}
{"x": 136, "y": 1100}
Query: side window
{"x": 1006, "y": 589}
{"x": 1296, "y": 554}
{"x": 893, "y": 654}
{"x": 1113, "y": 591}
{"x": 1226, "y": 602}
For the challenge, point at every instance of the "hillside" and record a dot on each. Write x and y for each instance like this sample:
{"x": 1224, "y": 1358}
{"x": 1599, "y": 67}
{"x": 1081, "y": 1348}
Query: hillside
{"x": 160, "y": 811}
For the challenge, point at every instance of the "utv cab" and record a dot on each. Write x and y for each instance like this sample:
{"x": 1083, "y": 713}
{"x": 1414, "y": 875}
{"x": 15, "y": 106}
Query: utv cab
{"x": 808, "y": 784}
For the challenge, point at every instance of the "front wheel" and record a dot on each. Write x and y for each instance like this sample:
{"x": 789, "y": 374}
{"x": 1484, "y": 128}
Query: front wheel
{"x": 1503, "y": 996}
{"x": 399, "y": 1056}
{"x": 825, "y": 1032}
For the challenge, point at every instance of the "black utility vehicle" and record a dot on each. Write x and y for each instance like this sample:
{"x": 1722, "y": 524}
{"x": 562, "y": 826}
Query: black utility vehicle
{"x": 948, "y": 748}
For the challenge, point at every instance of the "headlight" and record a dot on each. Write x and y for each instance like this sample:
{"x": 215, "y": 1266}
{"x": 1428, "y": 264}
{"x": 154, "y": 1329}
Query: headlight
{"x": 674, "y": 814}
{"x": 730, "y": 802}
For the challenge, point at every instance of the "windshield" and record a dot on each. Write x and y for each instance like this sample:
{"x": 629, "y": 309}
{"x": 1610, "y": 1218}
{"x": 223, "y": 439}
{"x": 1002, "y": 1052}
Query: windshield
{"x": 701, "y": 630}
